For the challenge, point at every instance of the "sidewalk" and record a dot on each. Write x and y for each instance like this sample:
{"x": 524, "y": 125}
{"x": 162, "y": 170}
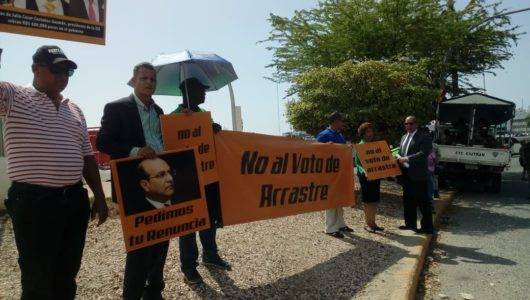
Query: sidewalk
{"x": 400, "y": 281}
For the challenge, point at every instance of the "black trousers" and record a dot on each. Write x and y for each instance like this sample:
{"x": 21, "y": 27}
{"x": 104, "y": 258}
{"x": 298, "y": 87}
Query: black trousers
{"x": 144, "y": 272}
{"x": 415, "y": 195}
{"x": 50, "y": 226}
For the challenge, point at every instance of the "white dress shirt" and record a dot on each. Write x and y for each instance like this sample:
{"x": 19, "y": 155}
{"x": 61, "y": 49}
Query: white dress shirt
{"x": 407, "y": 140}
{"x": 157, "y": 204}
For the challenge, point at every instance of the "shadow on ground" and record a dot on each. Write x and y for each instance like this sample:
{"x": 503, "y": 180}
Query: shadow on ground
{"x": 331, "y": 279}
{"x": 453, "y": 255}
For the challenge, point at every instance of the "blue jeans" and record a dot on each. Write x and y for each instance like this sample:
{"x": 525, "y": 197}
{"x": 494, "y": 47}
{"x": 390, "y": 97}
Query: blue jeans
{"x": 188, "y": 243}
{"x": 189, "y": 251}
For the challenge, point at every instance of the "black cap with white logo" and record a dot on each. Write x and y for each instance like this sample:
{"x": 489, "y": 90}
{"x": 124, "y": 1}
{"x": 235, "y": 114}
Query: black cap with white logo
{"x": 50, "y": 55}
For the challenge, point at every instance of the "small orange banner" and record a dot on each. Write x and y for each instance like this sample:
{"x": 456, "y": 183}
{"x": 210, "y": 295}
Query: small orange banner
{"x": 181, "y": 131}
{"x": 377, "y": 160}
{"x": 264, "y": 177}
{"x": 159, "y": 198}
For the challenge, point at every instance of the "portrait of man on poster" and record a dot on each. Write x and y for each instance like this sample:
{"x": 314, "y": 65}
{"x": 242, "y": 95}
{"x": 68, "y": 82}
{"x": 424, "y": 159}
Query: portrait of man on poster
{"x": 154, "y": 183}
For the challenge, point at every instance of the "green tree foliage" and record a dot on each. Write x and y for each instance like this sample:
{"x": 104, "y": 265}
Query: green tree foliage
{"x": 448, "y": 41}
{"x": 377, "y": 91}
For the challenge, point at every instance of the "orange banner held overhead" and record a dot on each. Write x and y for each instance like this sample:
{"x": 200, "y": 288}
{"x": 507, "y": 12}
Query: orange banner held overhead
{"x": 377, "y": 160}
{"x": 264, "y": 177}
{"x": 159, "y": 198}
{"x": 195, "y": 130}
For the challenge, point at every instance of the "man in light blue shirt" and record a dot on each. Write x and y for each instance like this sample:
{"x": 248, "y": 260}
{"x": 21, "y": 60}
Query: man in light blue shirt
{"x": 131, "y": 127}
{"x": 150, "y": 125}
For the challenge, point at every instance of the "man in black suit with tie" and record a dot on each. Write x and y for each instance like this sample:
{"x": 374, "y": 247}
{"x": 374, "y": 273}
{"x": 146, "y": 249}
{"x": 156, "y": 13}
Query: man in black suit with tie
{"x": 93, "y": 10}
{"x": 131, "y": 127}
{"x": 414, "y": 149}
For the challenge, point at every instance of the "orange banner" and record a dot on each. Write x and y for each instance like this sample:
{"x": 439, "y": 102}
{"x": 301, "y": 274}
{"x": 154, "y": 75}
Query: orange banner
{"x": 181, "y": 131}
{"x": 159, "y": 198}
{"x": 66, "y": 20}
{"x": 377, "y": 160}
{"x": 264, "y": 177}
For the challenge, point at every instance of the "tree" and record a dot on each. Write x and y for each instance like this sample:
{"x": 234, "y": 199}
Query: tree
{"x": 377, "y": 91}
{"x": 449, "y": 42}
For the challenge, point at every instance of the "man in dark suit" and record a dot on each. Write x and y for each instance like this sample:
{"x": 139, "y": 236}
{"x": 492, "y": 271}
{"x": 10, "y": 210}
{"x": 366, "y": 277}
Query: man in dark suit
{"x": 131, "y": 127}
{"x": 93, "y": 10}
{"x": 414, "y": 149}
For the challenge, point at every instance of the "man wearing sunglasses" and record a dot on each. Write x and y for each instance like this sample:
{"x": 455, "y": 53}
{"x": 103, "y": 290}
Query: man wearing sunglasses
{"x": 155, "y": 178}
{"x": 415, "y": 147}
{"x": 48, "y": 152}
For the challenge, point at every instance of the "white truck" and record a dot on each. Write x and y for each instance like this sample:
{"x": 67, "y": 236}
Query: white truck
{"x": 469, "y": 139}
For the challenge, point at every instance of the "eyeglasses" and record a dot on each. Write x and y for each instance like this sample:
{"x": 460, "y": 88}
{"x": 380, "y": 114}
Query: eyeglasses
{"x": 409, "y": 123}
{"x": 57, "y": 69}
{"x": 162, "y": 174}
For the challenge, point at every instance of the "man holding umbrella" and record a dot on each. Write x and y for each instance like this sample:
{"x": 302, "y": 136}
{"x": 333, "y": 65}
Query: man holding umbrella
{"x": 194, "y": 94}
{"x": 194, "y": 73}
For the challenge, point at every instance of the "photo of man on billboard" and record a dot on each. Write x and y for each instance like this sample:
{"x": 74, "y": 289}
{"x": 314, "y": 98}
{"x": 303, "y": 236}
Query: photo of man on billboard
{"x": 154, "y": 183}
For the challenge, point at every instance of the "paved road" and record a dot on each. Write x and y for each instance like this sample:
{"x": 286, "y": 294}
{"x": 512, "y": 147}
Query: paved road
{"x": 484, "y": 249}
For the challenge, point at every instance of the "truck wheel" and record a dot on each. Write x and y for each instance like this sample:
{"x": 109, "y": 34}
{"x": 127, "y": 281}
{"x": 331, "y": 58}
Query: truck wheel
{"x": 496, "y": 182}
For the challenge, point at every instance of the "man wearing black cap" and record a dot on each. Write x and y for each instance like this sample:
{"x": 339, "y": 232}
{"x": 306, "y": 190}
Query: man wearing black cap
{"x": 48, "y": 152}
{"x": 194, "y": 94}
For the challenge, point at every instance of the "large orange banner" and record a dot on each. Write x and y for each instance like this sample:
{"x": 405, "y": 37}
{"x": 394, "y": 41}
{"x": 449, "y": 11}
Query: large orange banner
{"x": 73, "y": 20}
{"x": 264, "y": 177}
{"x": 377, "y": 160}
{"x": 159, "y": 198}
{"x": 181, "y": 131}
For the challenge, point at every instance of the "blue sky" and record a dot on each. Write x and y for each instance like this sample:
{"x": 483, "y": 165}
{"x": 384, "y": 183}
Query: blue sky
{"x": 230, "y": 28}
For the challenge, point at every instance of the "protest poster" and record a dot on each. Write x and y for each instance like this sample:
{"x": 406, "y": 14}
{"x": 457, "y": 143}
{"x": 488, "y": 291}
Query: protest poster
{"x": 264, "y": 177}
{"x": 159, "y": 198}
{"x": 181, "y": 131}
{"x": 377, "y": 160}
{"x": 73, "y": 20}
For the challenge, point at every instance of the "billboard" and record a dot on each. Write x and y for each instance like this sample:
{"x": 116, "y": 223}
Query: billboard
{"x": 73, "y": 20}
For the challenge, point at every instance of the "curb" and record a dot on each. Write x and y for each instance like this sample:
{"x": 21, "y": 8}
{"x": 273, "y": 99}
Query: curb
{"x": 440, "y": 207}
{"x": 400, "y": 280}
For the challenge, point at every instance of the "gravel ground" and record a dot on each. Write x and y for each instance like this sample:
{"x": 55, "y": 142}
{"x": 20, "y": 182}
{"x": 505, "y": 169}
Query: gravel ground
{"x": 282, "y": 258}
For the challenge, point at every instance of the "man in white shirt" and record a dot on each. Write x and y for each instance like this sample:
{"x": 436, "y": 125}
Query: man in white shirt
{"x": 415, "y": 147}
